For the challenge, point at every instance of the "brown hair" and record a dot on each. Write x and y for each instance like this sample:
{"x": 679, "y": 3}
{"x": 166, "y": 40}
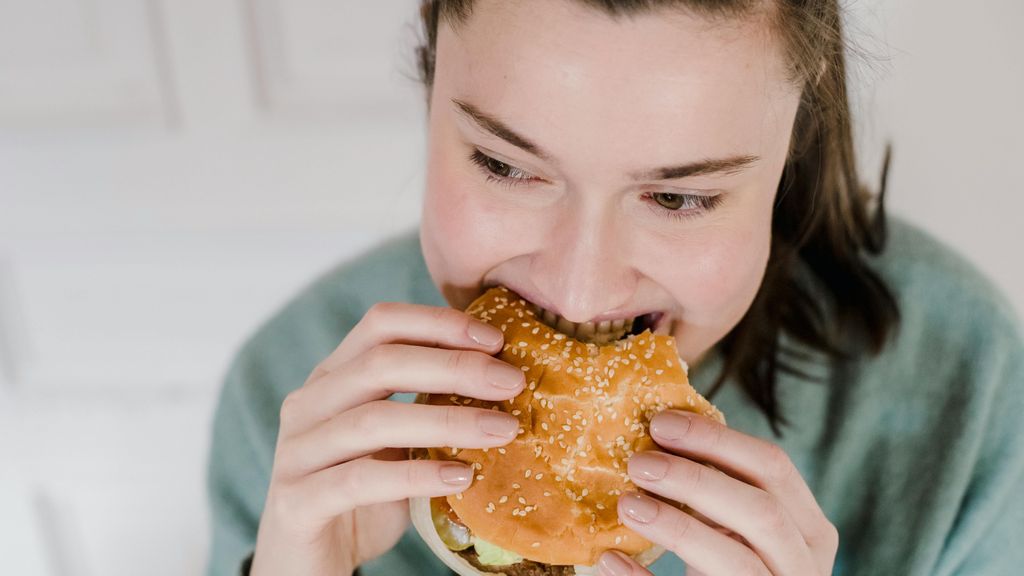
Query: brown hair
{"x": 822, "y": 229}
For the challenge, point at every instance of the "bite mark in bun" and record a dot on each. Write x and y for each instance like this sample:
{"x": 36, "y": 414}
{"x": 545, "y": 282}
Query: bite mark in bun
{"x": 549, "y": 498}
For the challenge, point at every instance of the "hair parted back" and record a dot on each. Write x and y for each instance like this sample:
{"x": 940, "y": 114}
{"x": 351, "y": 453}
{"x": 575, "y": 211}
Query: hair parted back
{"x": 823, "y": 226}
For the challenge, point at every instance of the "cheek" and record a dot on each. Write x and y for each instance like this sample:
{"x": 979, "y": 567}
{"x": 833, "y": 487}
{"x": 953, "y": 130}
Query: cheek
{"x": 720, "y": 279}
{"x": 469, "y": 234}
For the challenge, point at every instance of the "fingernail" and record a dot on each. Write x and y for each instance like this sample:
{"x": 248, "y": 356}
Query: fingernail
{"x": 639, "y": 507}
{"x": 612, "y": 564}
{"x": 499, "y": 424}
{"x": 505, "y": 376}
{"x": 484, "y": 334}
{"x": 456, "y": 474}
{"x": 670, "y": 425}
{"x": 648, "y": 465}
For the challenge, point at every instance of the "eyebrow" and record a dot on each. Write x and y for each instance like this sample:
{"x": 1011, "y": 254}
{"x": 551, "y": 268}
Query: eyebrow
{"x": 729, "y": 165}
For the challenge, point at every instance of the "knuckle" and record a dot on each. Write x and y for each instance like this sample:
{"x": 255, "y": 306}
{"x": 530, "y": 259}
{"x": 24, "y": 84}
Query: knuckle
{"x": 771, "y": 514}
{"x": 778, "y": 467}
{"x": 285, "y": 461}
{"x": 379, "y": 311}
{"x": 694, "y": 476}
{"x": 290, "y": 407}
{"x": 456, "y": 362}
{"x": 287, "y": 503}
{"x": 439, "y": 313}
{"x": 450, "y": 318}
{"x": 681, "y": 525}
{"x": 750, "y": 565}
{"x": 417, "y": 474}
{"x": 365, "y": 419}
{"x": 377, "y": 358}
{"x": 465, "y": 365}
{"x": 827, "y": 536}
{"x": 351, "y": 479}
{"x": 711, "y": 433}
{"x": 449, "y": 421}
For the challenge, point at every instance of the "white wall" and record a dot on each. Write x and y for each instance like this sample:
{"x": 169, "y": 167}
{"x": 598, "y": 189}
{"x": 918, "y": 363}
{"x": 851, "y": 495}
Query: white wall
{"x": 170, "y": 172}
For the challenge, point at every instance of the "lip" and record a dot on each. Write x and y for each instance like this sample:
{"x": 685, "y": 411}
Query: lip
{"x": 612, "y": 315}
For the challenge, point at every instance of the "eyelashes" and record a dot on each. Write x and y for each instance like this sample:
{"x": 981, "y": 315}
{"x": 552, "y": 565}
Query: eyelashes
{"x": 498, "y": 171}
{"x": 683, "y": 206}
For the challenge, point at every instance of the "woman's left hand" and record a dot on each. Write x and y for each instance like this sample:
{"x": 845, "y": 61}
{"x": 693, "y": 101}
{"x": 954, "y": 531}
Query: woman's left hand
{"x": 752, "y": 512}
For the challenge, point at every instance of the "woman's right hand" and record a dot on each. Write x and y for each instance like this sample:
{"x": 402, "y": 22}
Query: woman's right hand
{"x": 341, "y": 473}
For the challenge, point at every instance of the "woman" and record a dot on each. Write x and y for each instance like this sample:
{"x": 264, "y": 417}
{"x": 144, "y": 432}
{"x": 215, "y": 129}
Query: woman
{"x": 610, "y": 158}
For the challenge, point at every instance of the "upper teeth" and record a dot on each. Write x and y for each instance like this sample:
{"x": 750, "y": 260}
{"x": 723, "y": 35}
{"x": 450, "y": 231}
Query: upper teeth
{"x": 599, "y": 333}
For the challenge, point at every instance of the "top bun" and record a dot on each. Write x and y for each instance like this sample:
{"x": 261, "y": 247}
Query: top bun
{"x": 550, "y": 495}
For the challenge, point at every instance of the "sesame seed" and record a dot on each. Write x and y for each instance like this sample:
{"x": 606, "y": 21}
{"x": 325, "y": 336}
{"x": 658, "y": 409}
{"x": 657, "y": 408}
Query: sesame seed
{"x": 503, "y": 499}
{"x": 535, "y": 545}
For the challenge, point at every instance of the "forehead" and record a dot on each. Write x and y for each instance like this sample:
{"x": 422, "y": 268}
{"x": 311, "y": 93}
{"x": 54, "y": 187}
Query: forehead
{"x": 552, "y": 67}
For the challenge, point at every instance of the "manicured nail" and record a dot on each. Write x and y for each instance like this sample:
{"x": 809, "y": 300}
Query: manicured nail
{"x": 499, "y": 424}
{"x": 484, "y": 334}
{"x": 505, "y": 376}
{"x": 456, "y": 474}
{"x": 670, "y": 425}
{"x": 613, "y": 564}
{"x": 648, "y": 465}
{"x": 639, "y": 507}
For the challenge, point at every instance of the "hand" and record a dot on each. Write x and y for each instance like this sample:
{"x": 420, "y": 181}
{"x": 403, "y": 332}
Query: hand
{"x": 341, "y": 478}
{"x": 749, "y": 511}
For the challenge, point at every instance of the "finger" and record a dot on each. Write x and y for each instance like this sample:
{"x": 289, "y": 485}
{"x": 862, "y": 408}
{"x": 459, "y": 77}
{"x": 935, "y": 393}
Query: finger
{"x": 434, "y": 326}
{"x": 751, "y": 512}
{"x": 750, "y": 459}
{"x": 391, "y": 368}
{"x": 387, "y": 424}
{"x": 328, "y": 493}
{"x": 615, "y": 563}
{"x": 698, "y": 545}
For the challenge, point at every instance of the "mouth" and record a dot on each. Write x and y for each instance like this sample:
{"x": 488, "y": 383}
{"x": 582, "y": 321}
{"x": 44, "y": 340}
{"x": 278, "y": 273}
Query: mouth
{"x": 600, "y": 333}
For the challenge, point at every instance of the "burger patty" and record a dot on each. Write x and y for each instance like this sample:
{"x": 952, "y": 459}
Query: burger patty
{"x": 524, "y": 568}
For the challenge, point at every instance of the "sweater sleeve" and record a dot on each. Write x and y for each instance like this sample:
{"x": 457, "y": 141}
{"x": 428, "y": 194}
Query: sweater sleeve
{"x": 238, "y": 475}
{"x": 986, "y": 536}
{"x": 273, "y": 362}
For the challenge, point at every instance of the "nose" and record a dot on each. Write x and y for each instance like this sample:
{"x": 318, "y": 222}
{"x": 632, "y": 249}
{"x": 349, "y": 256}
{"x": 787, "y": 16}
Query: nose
{"x": 583, "y": 268}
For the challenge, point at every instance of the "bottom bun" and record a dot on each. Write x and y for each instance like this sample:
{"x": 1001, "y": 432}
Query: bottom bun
{"x": 422, "y": 519}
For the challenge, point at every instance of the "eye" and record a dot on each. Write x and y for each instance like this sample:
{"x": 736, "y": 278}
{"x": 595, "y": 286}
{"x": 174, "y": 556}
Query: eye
{"x": 499, "y": 171}
{"x": 684, "y": 205}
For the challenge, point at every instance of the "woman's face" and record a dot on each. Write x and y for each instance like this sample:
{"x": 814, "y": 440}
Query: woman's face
{"x": 605, "y": 169}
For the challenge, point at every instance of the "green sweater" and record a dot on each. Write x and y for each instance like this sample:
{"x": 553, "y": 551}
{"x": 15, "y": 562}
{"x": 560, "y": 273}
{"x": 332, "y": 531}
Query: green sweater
{"x": 916, "y": 455}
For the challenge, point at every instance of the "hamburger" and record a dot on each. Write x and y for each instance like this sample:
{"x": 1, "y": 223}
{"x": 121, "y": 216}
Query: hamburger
{"x": 545, "y": 504}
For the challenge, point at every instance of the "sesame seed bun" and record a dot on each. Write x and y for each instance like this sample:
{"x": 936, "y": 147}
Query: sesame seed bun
{"x": 550, "y": 496}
